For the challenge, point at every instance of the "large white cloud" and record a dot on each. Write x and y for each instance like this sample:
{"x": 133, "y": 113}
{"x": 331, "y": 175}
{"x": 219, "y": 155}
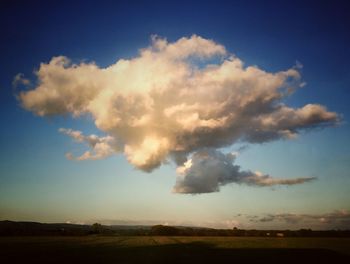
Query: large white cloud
{"x": 174, "y": 99}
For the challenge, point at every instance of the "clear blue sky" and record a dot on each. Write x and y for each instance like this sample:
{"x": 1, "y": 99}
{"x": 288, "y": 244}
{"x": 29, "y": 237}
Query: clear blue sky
{"x": 38, "y": 183}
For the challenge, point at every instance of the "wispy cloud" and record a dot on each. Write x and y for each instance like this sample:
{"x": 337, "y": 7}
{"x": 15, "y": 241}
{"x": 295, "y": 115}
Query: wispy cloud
{"x": 337, "y": 219}
{"x": 19, "y": 79}
{"x": 161, "y": 105}
{"x": 101, "y": 147}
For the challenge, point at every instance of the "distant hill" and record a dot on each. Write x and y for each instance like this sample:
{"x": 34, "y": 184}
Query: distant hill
{"x": 34, "y": 228}
{"x": 12, "y": 228}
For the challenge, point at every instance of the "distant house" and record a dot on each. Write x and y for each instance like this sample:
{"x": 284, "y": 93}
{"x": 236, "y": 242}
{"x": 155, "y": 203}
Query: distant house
{"x": 280, "y": 234}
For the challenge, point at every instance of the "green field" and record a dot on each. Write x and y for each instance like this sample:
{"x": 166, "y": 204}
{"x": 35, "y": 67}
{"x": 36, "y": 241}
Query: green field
{"x": 162, "y": 249}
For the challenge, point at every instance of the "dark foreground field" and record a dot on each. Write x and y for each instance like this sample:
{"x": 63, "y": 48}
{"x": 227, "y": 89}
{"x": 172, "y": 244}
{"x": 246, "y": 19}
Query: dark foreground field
{"x": 156, "y": 249}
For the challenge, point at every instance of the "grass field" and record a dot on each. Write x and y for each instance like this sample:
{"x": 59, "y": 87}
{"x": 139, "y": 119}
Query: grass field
{"x": 162, "y": 249}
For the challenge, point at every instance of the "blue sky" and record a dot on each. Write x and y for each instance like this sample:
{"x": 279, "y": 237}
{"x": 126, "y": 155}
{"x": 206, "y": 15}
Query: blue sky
{"x": 38, "y": 183}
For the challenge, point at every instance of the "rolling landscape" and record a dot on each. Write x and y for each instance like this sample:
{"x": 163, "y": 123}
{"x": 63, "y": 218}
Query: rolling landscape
{"x": 57, "y": 243}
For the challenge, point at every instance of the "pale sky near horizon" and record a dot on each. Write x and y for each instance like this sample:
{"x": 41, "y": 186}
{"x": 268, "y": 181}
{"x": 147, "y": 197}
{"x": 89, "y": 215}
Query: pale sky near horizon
{"x": 149, "y": 85}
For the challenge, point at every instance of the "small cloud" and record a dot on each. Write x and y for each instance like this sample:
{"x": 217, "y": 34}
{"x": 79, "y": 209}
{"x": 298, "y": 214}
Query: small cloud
{"x": 298, "y": 65}
{"x": 20, "y": 80}
{"x": 208, "y": 169}
{"x": 101, "y": 147}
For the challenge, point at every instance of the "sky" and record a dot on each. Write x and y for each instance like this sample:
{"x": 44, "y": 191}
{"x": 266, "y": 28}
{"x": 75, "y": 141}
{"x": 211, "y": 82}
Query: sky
{"x": 215, "y": 113}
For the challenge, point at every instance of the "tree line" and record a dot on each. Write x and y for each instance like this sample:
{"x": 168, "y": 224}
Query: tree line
{"x": 11, "y": 228}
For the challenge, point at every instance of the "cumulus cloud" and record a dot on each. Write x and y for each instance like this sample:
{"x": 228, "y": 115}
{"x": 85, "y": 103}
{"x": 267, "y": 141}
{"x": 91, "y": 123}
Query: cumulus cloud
{"x": 209, "y": 169}
{"x": 175, "y": 99}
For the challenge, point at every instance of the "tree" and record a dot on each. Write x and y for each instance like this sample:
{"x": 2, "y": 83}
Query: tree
{"x": 164, "y": 230}
{"x": 97, "y": 228}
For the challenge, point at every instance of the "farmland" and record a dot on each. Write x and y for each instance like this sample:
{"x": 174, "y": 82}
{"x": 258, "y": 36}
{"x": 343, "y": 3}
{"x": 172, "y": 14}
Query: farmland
{"x": 170, "y": 249}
